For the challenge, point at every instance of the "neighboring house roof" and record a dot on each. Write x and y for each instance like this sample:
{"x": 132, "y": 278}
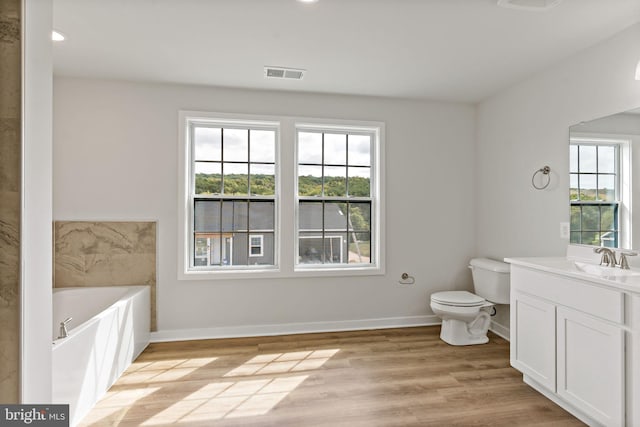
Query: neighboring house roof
{"x": 311, "y": 217}
{"x": 261, "y": 216}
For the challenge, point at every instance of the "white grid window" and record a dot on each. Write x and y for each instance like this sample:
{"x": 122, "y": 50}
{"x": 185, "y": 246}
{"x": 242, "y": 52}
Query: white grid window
{"x": 279, "y": 197}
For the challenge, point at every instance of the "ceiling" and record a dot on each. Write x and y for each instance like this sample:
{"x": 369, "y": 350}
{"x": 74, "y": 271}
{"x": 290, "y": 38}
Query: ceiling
{"x": 452, "y": 50}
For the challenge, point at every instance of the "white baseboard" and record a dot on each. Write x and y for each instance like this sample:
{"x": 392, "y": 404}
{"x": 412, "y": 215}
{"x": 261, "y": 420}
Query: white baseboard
{"x": 292, "y": 328}
{"x": 500, "y": 330}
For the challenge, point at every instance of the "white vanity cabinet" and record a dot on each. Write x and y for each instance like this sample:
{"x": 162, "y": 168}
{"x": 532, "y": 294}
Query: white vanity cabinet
{"x": 568, "y": 338}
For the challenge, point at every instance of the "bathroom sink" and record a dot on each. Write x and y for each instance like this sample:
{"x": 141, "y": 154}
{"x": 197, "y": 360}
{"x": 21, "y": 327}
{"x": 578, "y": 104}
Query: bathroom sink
{"x": 604, "y": 271}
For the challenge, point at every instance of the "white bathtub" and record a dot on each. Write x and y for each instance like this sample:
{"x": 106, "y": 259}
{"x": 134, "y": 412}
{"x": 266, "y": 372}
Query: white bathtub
{"x": 110, "y": 328}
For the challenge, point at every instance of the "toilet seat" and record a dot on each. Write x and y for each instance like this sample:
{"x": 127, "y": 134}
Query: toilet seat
{"x": 458, "y": 299}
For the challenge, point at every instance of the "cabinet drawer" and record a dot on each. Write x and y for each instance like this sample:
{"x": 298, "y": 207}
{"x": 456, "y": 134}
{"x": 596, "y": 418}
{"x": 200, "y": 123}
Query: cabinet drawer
{"x": 607, "y": 304}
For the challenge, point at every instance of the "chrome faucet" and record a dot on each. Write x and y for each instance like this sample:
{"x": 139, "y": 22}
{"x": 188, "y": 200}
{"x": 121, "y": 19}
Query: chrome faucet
{"x": 608, "y": 256}
{"x": 63, "y": 327}
{"x": 623, "y": 264}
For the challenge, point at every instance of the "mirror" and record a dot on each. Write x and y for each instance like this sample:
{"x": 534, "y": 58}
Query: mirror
{"x": 602, "y": 156}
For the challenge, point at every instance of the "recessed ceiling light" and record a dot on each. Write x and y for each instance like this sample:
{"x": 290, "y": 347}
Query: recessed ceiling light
{"x": 638, "y": 71}
{"x": 307, "y": 1}
{"x": 57, "y": 36}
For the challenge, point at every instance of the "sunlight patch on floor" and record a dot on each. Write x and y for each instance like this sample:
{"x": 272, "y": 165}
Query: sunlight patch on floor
{"x": 279, "y": 363}
{"x": 163, "y": 370}
{"x": 117, "y": 401}
{"x": 234, "y": 399}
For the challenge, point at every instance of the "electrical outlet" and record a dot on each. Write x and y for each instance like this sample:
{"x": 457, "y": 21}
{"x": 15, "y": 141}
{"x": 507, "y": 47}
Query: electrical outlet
{"x": 564, "y": 230}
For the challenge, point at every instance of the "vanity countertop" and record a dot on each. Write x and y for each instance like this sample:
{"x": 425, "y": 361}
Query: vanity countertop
{"x": 624, "y": 280}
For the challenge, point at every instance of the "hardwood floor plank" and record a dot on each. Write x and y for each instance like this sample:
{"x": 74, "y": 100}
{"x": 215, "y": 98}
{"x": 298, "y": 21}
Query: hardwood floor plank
{"x": 392, "y": 377}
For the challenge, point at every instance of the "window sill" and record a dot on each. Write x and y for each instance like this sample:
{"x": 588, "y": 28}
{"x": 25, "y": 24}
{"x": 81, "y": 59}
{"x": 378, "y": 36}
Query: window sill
{"x": 275, "y": 273}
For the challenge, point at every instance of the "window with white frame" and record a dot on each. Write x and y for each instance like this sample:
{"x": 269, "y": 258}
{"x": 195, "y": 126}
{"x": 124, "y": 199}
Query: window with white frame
{"x": 232, "y": 194}
{"x": 335, "y": 171}
{"x": 599, "y": 191}
{"x": 256, "y": 243}
{"x": 246, "y": 212}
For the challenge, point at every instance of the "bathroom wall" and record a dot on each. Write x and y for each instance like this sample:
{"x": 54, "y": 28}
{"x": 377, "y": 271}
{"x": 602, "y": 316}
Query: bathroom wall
{"x": 10, "y": 171}
{"x": 526, "y": 127}
{"x": 26, "y": 201}
{"x": 106, "y": 254}
{"x": 36, "y": 236}
{"x": 115, "y": 151}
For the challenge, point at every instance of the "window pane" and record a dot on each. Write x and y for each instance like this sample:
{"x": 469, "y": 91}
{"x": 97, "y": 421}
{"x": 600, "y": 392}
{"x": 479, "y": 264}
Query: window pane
{"x": 335, "y": 181}
{"x": 234, "y": 215}
{"x": 263, "y": 180}
{"x": 359, "y": 150}
{"x": 590, "y": 238}
{"x": 262, "y": 216}
{"x": 588, "y": 158}
{"x": 360, "y": 216}
{"x": 228, "y": 223}
{"x": 310, "y": 180}
{"x": 609, "y": 239}
{"x": 335, "y": 251}
{"x": 608, "y": 218}
{"x": 335, "y": 149}
{"x": 359, "y": 182}
{"x": 606, "y": 188}
{"x": 236, "y": 251}
{"x": 359, "y": 248}
{"x": 591, "y": 218}
{"x": 207, "y": 216}
{"x": 573, "y": 187}
{"x": 310, "y": 147}
{"x": 208, "y": 178}
{"x": 606, "y": 159}
{"x": 573, "y": 158}
{"x": 587, "y": 187}
{"x": 236, "y": 179}
{"x": 236, "y": 145}
{"x": 310, "y": 216}
{"x": 268, "y": 251}
{"x": 576, "y": 237}
{"x": 335, "y": 218}
{"x": 575, "y": 218}
{"x": 263, "y": 146}
{"x": 207, "y": 143}
{"x": 310, "y": 248}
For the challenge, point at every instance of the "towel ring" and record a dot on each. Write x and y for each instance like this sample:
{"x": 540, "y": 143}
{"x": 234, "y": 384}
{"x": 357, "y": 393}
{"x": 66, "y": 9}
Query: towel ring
{"x": 545, "y": 171}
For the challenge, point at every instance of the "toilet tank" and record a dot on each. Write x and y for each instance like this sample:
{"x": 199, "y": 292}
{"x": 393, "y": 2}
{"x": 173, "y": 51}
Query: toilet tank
{"x": 491, "y": 279}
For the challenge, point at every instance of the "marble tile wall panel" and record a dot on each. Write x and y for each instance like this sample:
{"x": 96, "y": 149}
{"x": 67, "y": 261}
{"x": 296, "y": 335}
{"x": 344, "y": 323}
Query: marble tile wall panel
{"x": 106, "y": 254}
{"x": 10, "y": 176}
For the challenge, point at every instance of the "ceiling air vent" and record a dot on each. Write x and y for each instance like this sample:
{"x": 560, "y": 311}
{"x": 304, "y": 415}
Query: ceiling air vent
{"x": 283, "y": 73}
{"x": 535, "y": 5}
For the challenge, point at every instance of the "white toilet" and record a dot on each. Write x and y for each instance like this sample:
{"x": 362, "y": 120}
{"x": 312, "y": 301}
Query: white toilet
{"x": 465, "y": 316}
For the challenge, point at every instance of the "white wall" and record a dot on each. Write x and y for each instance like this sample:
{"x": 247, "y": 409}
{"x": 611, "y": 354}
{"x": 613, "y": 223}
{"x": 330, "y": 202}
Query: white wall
{"x": 526, "y": 127}
{"x": 36, "y": 231}
{"x": 115, "y": 147}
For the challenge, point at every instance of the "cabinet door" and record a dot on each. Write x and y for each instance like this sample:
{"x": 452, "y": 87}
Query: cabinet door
{"x": 591, "y": 366}
{"x": 533, "y": 339}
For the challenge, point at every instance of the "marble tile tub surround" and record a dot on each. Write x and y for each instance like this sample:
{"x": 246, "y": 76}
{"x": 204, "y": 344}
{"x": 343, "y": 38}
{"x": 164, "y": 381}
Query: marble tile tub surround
{"x": 10, "y": 152}
{"x": 106, "y": 254}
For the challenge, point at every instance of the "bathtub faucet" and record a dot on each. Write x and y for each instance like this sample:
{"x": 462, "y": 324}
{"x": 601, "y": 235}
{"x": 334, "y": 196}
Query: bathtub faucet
{"x": 63, "y": 327}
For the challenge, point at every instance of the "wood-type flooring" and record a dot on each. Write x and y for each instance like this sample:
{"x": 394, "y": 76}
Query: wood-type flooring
{"x": 388, "y": 377}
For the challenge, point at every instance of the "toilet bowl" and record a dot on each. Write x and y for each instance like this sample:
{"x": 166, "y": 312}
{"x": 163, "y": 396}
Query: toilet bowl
{"x": 465, "y": 315}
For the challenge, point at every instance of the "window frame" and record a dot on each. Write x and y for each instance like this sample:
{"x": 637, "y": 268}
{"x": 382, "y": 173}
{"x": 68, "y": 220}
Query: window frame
{"x": 260, "y": 245}
{"x": 285, "y": 199}
{"x": 373, "y": 199}
{"x": 623, "y": 181}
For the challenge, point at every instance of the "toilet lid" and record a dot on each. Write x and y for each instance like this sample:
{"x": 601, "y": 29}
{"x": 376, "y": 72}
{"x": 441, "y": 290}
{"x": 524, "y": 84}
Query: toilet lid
{"x": 459, "y": 298}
